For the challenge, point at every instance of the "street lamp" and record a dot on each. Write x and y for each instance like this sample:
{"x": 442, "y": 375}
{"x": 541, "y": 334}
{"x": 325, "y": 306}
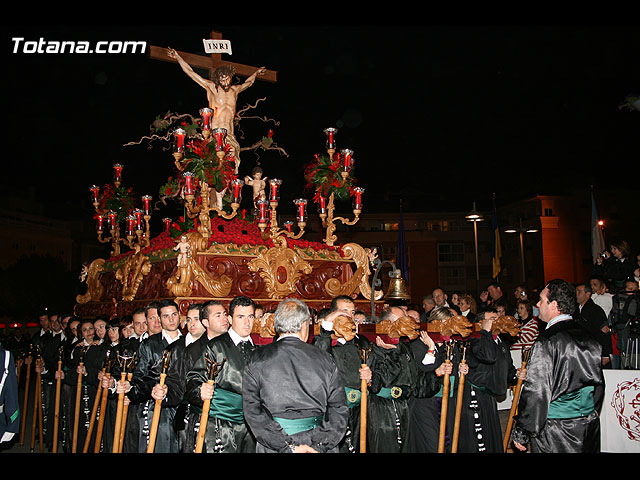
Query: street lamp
{"x": 475, "y": 217}
{"x": 521, "y": 231}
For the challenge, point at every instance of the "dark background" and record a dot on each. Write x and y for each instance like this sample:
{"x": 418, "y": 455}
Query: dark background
{"x": 438, "y": 115}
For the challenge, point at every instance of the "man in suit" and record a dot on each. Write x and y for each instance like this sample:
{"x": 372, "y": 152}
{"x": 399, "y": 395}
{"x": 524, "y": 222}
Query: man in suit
{"x": 227, "y": 431}
{"x": 594, "y": 319}
{"x": 146, "y": 376}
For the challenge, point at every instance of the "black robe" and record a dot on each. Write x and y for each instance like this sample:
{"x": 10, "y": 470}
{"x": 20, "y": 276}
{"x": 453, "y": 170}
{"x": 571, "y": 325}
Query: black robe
{"x": 565, "y": 359}
{"x": 126, "y": 348}
{"x": 227, "y": 430}
{"x": 145, "y": 376}
{"x": 93, "y": 361}
{"x": 425, "y": 405}
{"x": 491, "y": 371}
{"x": 348, "y": 360}
{"x": 396, "y": 381}
{"x": 186, "y": 421}
{"x": 293, "y": 380}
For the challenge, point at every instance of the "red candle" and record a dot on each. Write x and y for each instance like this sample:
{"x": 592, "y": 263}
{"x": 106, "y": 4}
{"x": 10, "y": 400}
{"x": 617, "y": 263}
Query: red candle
{"x": 331, "y": 142}
{"x": 237, "y": 189}
{"x": 100, "y": 223}
{"x": 167, "y": 224}
{"x": 188, "y": 183}
{"x": 288, "y": 225}
{"x": 347, "y": 157}
{"x": 301, "y": 203}
{"x": 117, "y": 172}
{"x": 112, "y": 220}
{"x": 146, "y": 200}
{"x": 206, "y": 114}
{"x": 322, "y": 205}
{"x": 274, "y": 183}
{"x": 262, "y": 206}
{"x": 137, "y": 213}
{"x": 220, "y": 135}
{"x": 357, "y": 198}
{"x": 95, "y": 191}
{"x": 130, "y": 221}
{"x": 179, "y": 136}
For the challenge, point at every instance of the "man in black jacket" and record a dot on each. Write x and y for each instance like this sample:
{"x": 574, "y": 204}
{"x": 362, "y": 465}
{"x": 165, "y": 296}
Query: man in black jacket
{"x": 593, "y": 318}
{"x": 293, "y": 395}
{"x": 146, "y": 376}
{"x": 227, "y": 431}
{"x": 561, "y": 398}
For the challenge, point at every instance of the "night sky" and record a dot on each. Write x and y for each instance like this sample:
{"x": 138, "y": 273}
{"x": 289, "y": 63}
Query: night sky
{"x": 438, "y": 115}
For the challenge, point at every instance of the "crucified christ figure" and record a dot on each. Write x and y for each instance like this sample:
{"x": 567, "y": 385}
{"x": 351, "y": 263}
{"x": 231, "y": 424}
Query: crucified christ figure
{"x": 221, "y": 95}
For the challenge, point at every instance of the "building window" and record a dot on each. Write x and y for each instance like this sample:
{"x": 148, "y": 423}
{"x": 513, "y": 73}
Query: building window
{"x": 451, "y": 253}
{"x": 452, "y": 277}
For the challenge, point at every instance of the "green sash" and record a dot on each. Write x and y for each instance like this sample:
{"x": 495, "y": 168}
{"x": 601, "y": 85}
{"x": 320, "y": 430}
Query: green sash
{"x": 452, "y": 383}
{"x": 291, "y": 426}
{"x": 226, "y": 405}
{"x": 393, "y": 392}
{"x": 353, "y": 397}
{"x": 573, "y": 404}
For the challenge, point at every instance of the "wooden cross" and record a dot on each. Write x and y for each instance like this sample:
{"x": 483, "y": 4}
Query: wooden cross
{"x": 212, "y": 62}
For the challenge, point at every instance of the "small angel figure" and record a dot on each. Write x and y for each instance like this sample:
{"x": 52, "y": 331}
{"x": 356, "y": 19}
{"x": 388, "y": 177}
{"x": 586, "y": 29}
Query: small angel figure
{"x": 185, "y": 250}
{"x": 84, "y": 272}
{"x": 258, "y": 183}
{"x": 372, "y": 254}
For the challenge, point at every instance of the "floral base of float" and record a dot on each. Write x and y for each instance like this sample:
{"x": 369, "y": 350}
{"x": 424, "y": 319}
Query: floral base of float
{"x": 235, "y": 260}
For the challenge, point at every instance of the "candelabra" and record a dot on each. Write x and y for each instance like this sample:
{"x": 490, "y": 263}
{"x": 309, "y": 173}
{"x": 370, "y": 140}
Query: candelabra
{"x": 268, "y": 215}
{"x": 326, "y": 207}
{"x": 201, "y": 208}
{"x": 137, "y": 233}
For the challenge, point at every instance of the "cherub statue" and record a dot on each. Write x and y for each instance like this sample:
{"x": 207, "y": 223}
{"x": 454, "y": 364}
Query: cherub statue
{"x": 185, "y": 251}
{"x": 258, "y": 183}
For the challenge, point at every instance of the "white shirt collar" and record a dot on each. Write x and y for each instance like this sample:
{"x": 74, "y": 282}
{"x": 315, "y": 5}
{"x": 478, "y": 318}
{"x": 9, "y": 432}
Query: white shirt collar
{"x": 237, "y": 338}
{"x": 170, "y": 340}
{"x": 559, "y": 318}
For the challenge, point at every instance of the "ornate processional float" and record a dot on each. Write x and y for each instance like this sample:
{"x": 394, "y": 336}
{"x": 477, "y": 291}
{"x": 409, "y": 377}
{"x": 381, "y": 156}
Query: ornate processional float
{"x": 216, "y": 249}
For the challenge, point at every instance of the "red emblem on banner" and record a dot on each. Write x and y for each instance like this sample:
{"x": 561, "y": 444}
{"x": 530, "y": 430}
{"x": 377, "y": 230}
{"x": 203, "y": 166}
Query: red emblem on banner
{"x": 626, "y": 403}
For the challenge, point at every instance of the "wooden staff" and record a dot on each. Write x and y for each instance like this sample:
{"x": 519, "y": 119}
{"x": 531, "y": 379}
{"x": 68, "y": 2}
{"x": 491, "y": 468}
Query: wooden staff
{"x": 124, "y": 363}
{"x": 56, "y": 414}
{"x": 94, "y": 410}
{"x": 456, "y": 425}
{"x": 125, "y": 413}
{"x": 155, "y": 421}
{"x": 516, "y": 397}
{"x": 26, "y": 393}
{"x": 364, "y": 356}
{"x": 103, "y": 410}
{"x": 37, "y": 403}
{"x": 76, "y": 419}
{"x": 214, "y": 369}
{"x": 445, "y": 400}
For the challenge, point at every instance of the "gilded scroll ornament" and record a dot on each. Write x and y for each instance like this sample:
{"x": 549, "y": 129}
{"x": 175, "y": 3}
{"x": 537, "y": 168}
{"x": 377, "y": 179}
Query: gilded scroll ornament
{"x": 131, "y": 273}
{"x": 180, "y": 284}
{"x": 360, "y": 278}
{"x": 94, "y": 288}
{"x": 280, "y": 267}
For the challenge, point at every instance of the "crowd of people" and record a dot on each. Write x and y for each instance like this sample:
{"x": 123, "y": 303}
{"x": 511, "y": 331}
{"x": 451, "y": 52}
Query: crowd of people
{"x": 155, "y": 372}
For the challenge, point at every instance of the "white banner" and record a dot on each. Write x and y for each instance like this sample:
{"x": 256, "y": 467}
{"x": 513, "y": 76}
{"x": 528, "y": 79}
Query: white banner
{"x": 620, "y": 416}
{"x": 217, "y": 46}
